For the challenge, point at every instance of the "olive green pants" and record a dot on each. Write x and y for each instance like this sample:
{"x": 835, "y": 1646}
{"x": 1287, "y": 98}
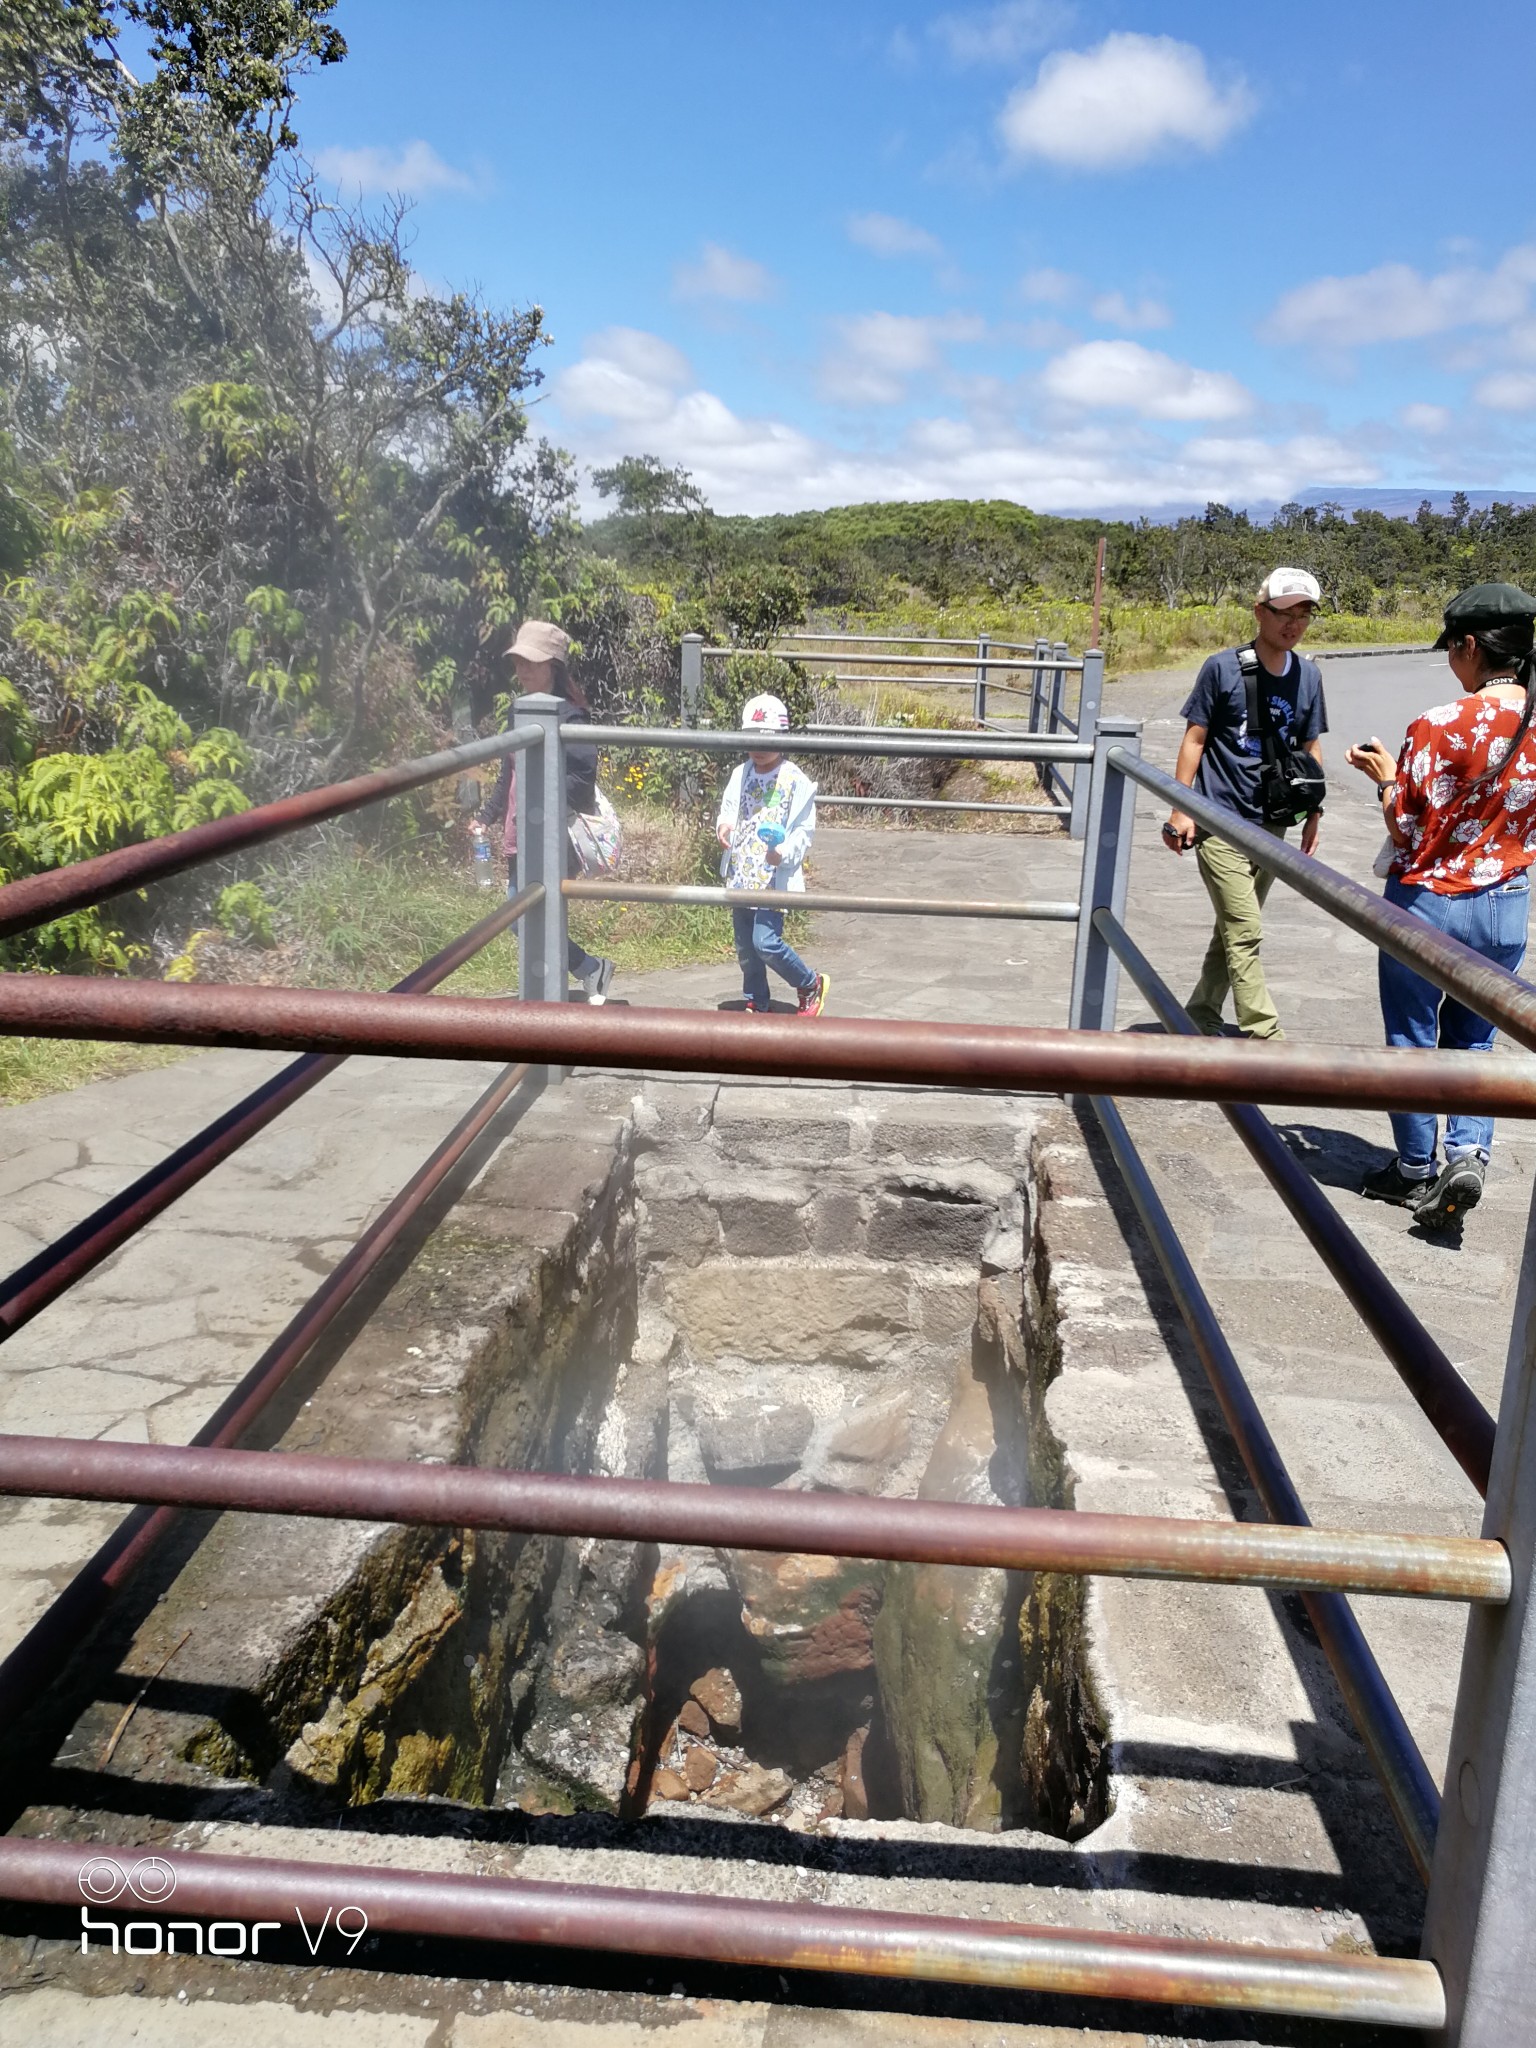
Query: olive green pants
{"x": 1237, "y": 890}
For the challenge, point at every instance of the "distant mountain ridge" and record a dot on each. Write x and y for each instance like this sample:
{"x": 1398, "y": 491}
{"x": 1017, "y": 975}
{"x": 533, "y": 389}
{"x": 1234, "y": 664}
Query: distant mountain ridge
{"x": 1399, "y": 503}
{"x": 1393, "y": 502}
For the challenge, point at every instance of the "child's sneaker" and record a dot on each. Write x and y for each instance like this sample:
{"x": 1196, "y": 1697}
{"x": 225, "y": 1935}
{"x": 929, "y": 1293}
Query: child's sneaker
{"x": 597, "y": 981}
{"x": 813, "y": 1000}
{"x": 751, "y": 1009}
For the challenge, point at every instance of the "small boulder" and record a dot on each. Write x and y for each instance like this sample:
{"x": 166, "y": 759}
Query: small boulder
{"x": 720, "y": 1697}
{"x": 669, "y": 1785}
{"x": 693, "y": 1720}
{"x": 700, "y": 1767}
{"x": 751, "y": 1790}
{"x": 753, "y": 1437}
{"x": 811, "y": 1617}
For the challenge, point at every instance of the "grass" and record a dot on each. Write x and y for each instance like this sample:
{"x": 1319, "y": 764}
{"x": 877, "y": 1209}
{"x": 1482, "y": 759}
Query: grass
{"x": 30, "y": 1067}
{"x": 349, "y": 916}
{"x": 1134, "y": 636}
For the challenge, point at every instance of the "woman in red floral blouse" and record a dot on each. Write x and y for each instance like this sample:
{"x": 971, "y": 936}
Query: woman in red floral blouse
{"x": 1460, "y": 809}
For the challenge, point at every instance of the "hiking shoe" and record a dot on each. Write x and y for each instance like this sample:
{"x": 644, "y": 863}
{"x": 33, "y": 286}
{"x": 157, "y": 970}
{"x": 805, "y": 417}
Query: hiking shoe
{"x": 597, "y": 981}
{"x": 813, "y": 1000}
{"x": 1389, "y": 1183}
{"x": 1458, "y": 1189}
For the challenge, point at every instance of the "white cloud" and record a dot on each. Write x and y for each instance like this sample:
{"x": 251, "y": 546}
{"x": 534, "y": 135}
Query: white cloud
{"x": 1395, "y": 302}
{"x": 1426, "y": 419}
{"x": 1114, "y": 309}
{"x": 877, "y": 353}
{"x": 1049, "y": 287}
{"x": 1507, "y": 391}
{"x": 1000, "y": 35}
{"x": 722, "y": 274}
{"x": 1125, "y": 377}
{"x": 627, "y": 376}
{"x": 884, "y": 235}
{"x": 746, "y": 464}
{"x": 415, "y": 169}
{"x": 1132, "y": 98}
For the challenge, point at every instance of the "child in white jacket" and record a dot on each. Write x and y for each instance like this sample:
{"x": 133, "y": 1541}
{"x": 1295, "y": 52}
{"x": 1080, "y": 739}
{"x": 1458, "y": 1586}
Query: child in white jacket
{"x": 767, "y": 818}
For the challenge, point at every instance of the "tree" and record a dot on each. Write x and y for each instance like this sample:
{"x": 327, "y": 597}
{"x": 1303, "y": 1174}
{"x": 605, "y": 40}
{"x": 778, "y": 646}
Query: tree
{"x": 273, "y": 506}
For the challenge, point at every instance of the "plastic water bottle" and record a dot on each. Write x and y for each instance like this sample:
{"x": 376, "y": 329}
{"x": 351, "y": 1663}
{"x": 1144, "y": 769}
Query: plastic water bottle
{"x": 480, "y": 856}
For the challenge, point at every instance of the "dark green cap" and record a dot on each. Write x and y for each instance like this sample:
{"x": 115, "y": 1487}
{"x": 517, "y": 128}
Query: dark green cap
{"x": 1485, "y": 605}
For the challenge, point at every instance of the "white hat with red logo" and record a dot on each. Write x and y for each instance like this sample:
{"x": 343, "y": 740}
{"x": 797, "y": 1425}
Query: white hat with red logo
{"x": 1285, "y": 587}
{"x": 764, "y": 714}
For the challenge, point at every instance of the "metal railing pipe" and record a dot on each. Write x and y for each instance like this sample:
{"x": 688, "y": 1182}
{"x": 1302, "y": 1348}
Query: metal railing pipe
{"x": 47, "y": 1646}
{"x": 912, "y": 803}
{"x": 692, "y": 1041}
{"x": 37, "y": 899}
{"x": 917, "y": 682}
{"x": 28, "y": 1290}
{"x": 1459, "y": 1418}
{"x": 762, "y": 1933}
{"x": 755, "y": 1518}
{"x": 912, "y": 660}
{"x": 918, "y": 746}
{"x": 1503, "y": 998}
{"x": 792, "y": 642}
{"x": 1045, "y": 910}
{"x": 1410, "y": 1790}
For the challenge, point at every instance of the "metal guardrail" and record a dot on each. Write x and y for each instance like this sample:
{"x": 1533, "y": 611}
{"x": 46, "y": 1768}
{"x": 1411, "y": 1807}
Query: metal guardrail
{"x": 37, "y": 899}
{"x": 1233, "y": 1976}
{"x": 1040, "y": 676}
{"x": 1464, "y": 1424}
{"x": 1064, "y": 912}
{"x": 1479, "y": 1970}
{"x": 757, "y": 1518}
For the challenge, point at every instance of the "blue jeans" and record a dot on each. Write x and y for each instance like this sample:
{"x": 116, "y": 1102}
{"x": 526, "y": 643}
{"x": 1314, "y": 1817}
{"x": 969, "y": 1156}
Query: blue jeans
{"x": 760, "y": 945}
{"x": 1492, "y": 922}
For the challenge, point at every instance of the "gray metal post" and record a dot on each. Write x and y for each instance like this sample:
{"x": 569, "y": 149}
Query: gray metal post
{"x": 1479, "y": 1921}
{"x": 541, "y": 951}
{"x": 979, "y": 707}
{"x": 1058, "y": 678}
{"x": 1089, "y": 699}
{"x": 690, "y": 696}
{"x": 1036, "y": 679}
{"x": 692, "y": 678}
{"x": 1106, "y": 872}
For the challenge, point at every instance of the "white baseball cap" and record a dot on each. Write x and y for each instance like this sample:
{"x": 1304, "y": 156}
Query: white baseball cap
{"x": 764, "y": 714}
{"x": 1290, "y": 586}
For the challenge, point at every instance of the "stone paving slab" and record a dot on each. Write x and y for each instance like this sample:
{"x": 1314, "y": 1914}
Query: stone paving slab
{"x": 145, "y": 1347}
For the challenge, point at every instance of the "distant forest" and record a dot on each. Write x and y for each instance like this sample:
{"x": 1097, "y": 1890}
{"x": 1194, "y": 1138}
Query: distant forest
{"x": 864, "y": 557}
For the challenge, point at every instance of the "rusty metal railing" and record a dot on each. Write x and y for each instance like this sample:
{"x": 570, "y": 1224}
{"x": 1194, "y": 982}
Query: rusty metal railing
{"x": 1464, "y": 1424}
{"x": 542, "y": 1038}
{"x": 37, "y": 899}
{"x": 69, "y": 1258}
{"x": 1231, "y": 1976}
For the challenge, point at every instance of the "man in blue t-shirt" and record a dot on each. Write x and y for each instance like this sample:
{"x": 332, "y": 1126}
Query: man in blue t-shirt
{"x": 1222, "y": 759}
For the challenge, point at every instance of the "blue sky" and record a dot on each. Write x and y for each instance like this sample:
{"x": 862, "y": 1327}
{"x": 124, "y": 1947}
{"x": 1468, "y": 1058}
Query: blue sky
{"x": 1084, "y": 256}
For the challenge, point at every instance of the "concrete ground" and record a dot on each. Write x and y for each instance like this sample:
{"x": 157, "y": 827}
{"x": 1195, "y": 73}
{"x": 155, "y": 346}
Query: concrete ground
{"x": 145, "y": 1346}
